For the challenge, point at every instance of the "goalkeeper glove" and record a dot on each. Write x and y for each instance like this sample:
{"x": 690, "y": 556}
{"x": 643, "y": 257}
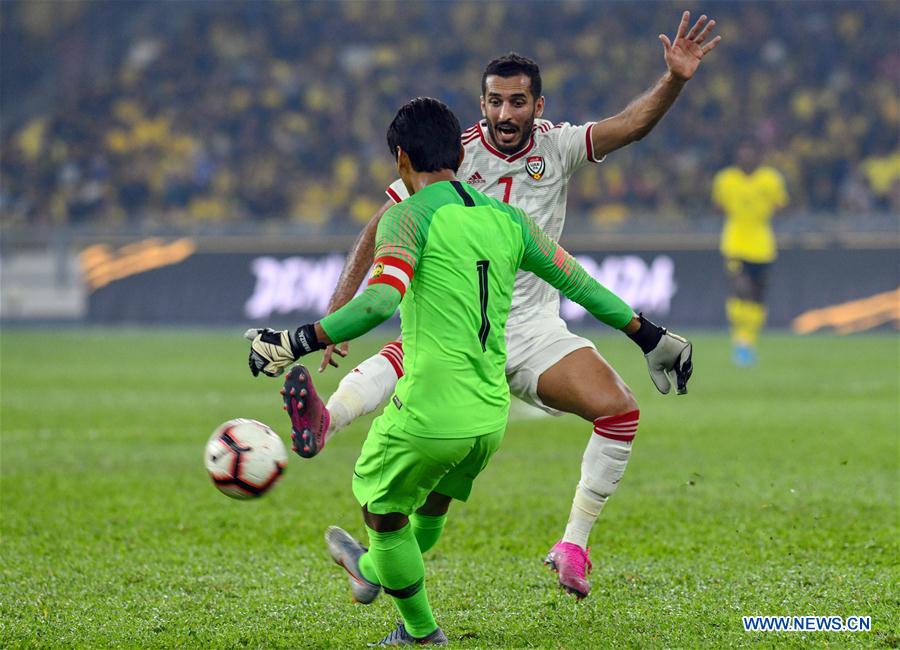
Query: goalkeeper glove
{"x": 272, "y": 351}
{"x": 665, "y": 353}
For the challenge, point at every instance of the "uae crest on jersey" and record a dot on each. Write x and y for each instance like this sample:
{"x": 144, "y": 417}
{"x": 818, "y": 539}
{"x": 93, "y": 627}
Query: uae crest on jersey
{"x": 535, "y": 166}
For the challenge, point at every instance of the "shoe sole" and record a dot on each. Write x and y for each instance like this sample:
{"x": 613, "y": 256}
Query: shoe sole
{"x": 294, "y": 390}
{"x": 339, "y": 560}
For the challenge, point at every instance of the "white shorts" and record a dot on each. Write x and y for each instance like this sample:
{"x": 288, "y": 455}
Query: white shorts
{"x": 533, "y": 346}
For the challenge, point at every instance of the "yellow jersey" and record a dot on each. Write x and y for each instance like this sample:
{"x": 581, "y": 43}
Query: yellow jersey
{"x": 749, "y": 201}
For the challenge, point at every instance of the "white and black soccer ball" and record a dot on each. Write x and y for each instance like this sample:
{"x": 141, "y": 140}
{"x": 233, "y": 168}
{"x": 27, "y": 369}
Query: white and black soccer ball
{"x": 245, "y": 458}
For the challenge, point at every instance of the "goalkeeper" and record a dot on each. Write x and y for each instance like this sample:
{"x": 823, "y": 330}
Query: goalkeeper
{"x": 448, "y": 257}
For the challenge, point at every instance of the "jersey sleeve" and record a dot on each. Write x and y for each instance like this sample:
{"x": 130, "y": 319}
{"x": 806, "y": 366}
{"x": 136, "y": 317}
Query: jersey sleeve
{"x": 365, "y": 312}
{"x": 398, "y": 244}
{"x": 550, "y": 262}
{"x": 718, "y": 188}
{"x": 575, "y": 146}
{"x": 777, "y": 189}
{"x": 396, "y": 191}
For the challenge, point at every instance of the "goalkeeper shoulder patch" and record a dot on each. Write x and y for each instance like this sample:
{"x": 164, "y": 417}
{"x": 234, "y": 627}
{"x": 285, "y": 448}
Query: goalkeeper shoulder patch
{"x": 392, "y": 271}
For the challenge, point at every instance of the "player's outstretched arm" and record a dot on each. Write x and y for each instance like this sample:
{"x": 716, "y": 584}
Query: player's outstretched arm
{"x": 357, "y": 264}
{"x": 397, "y": 247}
{"x": 272, "y": 351}
{"x": 682, "y": 57}
{"x": 668, "y": 355}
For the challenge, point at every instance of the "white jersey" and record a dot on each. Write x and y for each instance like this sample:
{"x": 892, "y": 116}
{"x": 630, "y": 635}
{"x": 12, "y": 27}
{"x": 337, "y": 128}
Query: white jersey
{"x": 535, "y": 179}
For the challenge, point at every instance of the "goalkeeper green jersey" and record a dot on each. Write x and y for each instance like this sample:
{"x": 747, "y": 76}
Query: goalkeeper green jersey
{"x": 451, "y": 254}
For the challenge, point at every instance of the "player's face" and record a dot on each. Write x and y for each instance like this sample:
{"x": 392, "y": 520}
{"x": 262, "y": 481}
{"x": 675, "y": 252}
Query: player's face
{"x": 747, "y": 158}
{"x": 510, "y": 111}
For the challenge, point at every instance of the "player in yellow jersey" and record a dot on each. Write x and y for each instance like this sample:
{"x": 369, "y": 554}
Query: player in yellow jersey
{"x": 749, "y": 193}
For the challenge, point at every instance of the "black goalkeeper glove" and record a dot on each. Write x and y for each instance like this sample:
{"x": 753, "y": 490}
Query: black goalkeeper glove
{"x": 665, "y": 353}
{"x": 272, "y": 351}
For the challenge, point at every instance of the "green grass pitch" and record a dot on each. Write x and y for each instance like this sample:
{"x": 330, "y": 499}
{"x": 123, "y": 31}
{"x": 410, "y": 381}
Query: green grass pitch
{"x": 772, "y": 490}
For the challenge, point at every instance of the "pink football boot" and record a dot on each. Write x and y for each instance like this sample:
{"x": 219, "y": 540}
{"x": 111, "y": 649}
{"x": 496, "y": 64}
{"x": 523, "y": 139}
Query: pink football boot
{"x": 572, "y": 564}
{"x": 309, "y": 417}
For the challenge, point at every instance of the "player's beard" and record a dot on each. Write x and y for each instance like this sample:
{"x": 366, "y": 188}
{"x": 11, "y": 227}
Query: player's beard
{"x": 515, "y": 145}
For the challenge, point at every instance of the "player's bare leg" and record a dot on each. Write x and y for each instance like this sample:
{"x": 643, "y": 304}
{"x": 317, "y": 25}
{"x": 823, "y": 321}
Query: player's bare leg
{"x": 745, "y": 308}
{"x": 584, "y": 384}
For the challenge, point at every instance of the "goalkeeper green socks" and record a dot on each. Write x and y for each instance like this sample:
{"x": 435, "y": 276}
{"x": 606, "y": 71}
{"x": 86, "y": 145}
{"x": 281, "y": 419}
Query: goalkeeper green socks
{"x": 397, "y": 561}
{"x": 367, "y": 568}
{"x": 427, "y": 529}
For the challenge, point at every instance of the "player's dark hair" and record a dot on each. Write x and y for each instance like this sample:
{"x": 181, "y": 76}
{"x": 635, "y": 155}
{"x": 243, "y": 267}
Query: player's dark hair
{"x": 428, "y": 131}
{"x": 510, "y": 65}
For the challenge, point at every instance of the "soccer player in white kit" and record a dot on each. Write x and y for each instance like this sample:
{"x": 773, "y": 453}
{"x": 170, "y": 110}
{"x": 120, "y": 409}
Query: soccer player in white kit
{"x": 516, "y": 156}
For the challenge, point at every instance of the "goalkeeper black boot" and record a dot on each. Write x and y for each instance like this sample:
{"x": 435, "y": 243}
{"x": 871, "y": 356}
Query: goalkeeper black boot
{"x": 399, "y": 636}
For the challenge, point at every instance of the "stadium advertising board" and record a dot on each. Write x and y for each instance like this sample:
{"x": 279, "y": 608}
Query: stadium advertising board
{"x": 683, "y": 288}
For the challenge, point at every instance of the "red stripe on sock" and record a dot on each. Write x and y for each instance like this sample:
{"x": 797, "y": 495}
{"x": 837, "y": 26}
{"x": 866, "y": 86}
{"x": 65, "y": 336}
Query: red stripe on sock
{"x": 395, "y": 349}
{"x": 393, "y": 352}
{"x": 631, "y": 416}
{"x": 397, "y": 367}
{"x": 615, "y": 436}
{"x": 393, "y": 358}
{"x": 621, "y": 427}
{"x": 628, "y": 429}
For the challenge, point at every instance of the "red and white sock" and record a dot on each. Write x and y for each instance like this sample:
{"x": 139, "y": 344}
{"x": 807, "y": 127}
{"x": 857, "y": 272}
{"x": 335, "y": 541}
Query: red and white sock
{"x": 602, "y": 467}
{"x": 366, "y": 388}
{"x": 393, "y": 352}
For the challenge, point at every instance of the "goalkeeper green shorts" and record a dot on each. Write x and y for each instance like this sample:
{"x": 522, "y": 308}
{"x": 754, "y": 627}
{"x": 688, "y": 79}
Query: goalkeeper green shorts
{"x": 396, "y": 471}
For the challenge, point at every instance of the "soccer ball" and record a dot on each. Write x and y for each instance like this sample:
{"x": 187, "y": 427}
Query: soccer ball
{"x": 245, "y": 458}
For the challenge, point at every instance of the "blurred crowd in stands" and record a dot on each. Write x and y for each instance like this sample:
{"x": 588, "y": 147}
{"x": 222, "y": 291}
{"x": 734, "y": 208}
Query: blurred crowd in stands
{"x": 144, "y": 114}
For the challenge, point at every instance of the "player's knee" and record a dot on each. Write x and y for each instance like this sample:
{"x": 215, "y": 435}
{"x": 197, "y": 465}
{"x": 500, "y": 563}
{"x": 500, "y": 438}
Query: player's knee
{"x": 388, "y": 523}
{"x": 606, "y": 400}
{"x": 618, "y": 401}
{"x": 743, "y": 288}
{"x": 757, "y": 291}
{"x": 436, "y": 505}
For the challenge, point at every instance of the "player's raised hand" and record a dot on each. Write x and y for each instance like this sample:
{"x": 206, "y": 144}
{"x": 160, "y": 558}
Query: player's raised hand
{"x": 328, "y": 358}
{"x": 672, "y": 355}
{"x": 684, "y": 55}
{"x": 666, "y": 354}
